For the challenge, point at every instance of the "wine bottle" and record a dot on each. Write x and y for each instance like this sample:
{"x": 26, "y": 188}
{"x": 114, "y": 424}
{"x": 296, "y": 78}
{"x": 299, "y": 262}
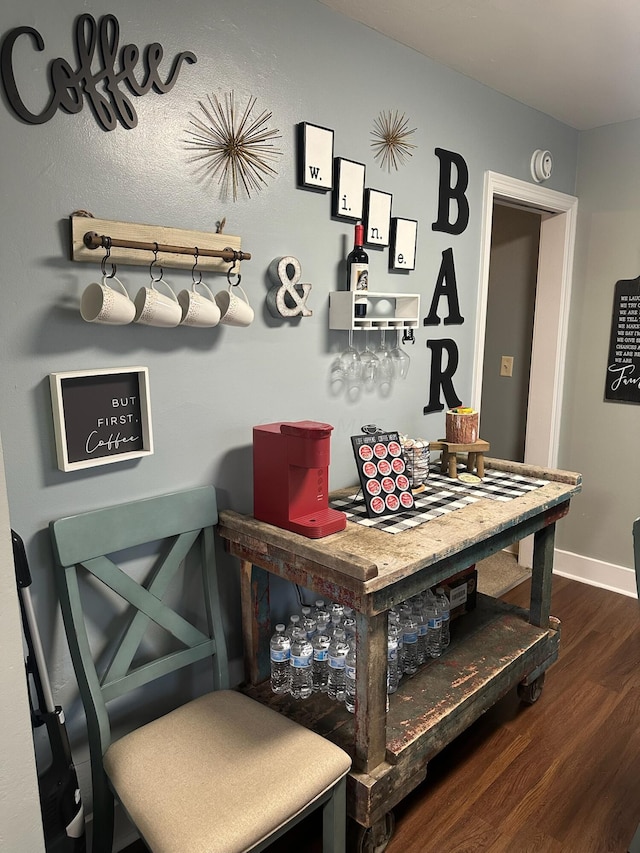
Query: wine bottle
{"x": 358, "y": 271}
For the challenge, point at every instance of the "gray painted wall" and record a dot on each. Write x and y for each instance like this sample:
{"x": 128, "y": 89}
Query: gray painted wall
{"x": 208, "y": 388}
{"x": 600, "y": 438}
{"x": 18, "y": 782}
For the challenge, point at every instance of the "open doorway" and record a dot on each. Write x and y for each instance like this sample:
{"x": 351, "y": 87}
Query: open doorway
{"x": 513, "y": 273}
{"x": 557, "y": 213}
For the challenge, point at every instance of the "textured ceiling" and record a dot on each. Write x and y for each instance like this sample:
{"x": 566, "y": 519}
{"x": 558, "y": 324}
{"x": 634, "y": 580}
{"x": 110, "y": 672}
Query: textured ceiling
{"x": 576, "y": 60}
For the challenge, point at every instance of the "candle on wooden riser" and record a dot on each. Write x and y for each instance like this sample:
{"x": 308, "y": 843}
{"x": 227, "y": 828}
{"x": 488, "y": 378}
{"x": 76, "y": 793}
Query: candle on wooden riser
{"x": 462, "y": 426}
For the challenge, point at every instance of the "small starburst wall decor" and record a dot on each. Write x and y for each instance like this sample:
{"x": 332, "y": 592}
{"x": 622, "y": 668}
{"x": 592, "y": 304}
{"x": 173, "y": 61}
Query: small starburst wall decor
{"x": 234, "y": 146}
{"x": 391, "y": 139}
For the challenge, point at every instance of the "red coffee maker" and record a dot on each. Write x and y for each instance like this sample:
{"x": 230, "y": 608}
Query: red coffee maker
{"x": 291, "y": 478}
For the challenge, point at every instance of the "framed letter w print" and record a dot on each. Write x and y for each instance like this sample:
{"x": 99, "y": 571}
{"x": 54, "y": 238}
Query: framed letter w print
{"x": 315, "y": 157}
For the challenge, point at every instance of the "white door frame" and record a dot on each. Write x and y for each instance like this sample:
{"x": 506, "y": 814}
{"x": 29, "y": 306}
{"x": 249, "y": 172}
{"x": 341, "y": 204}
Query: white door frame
{"x": 553, "y": 292}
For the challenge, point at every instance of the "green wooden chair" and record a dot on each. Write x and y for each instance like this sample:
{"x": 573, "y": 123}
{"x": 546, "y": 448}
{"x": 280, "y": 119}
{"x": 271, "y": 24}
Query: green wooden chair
{"x": 221, "y": 773}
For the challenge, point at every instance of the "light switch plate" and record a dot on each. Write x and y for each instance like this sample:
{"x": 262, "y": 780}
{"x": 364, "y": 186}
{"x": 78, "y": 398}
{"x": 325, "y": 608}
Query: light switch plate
{"x": 506, "y": 365}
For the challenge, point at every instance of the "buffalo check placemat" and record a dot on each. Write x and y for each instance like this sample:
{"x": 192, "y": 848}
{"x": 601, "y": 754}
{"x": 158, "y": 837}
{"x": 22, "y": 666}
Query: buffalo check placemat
{"x": 441, "y": 495}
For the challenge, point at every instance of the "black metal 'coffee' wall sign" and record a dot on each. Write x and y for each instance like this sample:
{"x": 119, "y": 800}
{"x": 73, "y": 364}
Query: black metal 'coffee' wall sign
{"x": 102, "y": 89}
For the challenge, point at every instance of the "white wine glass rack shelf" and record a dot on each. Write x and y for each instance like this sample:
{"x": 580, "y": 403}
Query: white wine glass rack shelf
{"x": 384, "y": 310}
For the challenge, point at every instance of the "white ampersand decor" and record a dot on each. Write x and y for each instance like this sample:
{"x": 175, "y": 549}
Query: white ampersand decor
{"x": 287, "y": 298}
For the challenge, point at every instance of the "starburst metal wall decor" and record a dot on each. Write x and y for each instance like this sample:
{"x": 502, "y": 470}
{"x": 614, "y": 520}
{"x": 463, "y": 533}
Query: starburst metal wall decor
{"x": 390, "y": 139}
{"x": 234, "y": 147}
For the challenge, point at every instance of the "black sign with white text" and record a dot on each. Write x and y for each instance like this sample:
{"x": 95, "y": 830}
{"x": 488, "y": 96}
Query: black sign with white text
{"x": 623, "y": 366}
{"x": 102, "y": 415}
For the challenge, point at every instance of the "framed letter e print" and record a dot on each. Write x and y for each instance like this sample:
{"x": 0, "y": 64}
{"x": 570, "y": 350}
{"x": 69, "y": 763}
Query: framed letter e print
{"x": 402, "y": 251}
{"x": 315, "y": 157}
{"x": 101, "y": 416}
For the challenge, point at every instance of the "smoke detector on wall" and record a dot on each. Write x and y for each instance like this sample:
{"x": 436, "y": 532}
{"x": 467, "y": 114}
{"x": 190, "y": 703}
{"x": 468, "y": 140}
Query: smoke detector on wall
{"x": 541, "y": 165}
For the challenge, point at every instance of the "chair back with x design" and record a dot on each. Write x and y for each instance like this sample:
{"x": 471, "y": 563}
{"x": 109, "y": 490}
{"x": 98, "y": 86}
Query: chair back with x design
{"x": 177, "y": 524}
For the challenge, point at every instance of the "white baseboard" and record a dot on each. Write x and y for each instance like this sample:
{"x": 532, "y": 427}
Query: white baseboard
{"x": 595, "y": 573}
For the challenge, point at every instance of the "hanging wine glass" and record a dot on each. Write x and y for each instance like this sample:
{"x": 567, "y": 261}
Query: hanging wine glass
{"x": 369, "y": 362}
{"x": 350, "y": 363}
{"x": 337, "y": 378}
{"x": 384, "y": 371}
{"x": 400, "y": 359}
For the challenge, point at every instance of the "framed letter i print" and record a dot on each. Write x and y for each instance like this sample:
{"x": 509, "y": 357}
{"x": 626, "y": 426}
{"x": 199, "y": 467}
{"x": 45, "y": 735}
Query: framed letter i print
{"x": 348, "y": 189}
{"x": 315, "y": 157}
{"x": 402, "y": 250}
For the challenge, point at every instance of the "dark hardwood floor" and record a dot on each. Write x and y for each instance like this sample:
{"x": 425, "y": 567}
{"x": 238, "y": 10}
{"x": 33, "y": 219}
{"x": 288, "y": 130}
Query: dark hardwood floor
{"x": 560, "y": 775}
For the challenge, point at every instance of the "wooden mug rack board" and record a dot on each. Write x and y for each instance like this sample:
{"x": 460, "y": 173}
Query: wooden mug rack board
{"x": 137, "y": 233}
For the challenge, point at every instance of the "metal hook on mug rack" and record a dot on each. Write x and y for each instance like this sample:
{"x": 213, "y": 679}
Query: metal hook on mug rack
{"x": 407, "y": 336}
{"x": 230, "y": 270}
{"x": 155, "y": 261}
{"x": 103, "y": 263}
{"x": 193, "y": 268}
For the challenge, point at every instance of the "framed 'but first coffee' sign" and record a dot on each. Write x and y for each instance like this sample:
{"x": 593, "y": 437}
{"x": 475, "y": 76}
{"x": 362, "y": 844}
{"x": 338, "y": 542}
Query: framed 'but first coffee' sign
{"x": 101, "y": 416}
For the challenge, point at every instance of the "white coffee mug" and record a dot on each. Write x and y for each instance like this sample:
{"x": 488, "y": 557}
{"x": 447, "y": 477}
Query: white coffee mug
{"x": 102, "y": 303}
{"x": 233, "y": 310}
{"x": 155, "y": 309}
{"x": 198, "y": 309}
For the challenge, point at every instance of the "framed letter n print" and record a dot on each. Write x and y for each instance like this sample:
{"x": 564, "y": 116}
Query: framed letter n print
{"x": 315, "y": 157}
{"x": 377, "y": 217}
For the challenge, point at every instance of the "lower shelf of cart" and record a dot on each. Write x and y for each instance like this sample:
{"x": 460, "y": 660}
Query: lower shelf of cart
{"x": 492, "y": 649}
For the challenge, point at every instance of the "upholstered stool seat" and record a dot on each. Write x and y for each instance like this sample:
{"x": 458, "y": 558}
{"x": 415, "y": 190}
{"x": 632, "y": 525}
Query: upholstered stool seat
{"x": 224, "y": 755}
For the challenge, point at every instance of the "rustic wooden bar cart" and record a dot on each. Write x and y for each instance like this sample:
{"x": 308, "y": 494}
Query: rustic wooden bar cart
{"x": 493, "y": 649}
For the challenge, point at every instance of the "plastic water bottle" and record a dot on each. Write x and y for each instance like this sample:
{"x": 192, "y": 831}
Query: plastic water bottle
{"x": 323, "y": 623}
{"x": 280, "y": 661}
{"x": 337, "y": 655}
{"x": 301, "y": 659}
{"x": 446, "y": 617}
{"x": 394, "y": 619}
{"x": 349, "y": 625}
{"x": 319, "y": 606}
{"x": 308, "y": 622}
{"x": 335, "y": 624}
{"x": 419, "y": 617}
{"x": 294, "y": 622}
{"x": 320, "y": 665}
{"x": 336, "y": 611}
{"x": 434, "y": 627}
{"x": 393, "y": 674}
{"x": 410, "y": 645}
{"x": 350, "y": 677}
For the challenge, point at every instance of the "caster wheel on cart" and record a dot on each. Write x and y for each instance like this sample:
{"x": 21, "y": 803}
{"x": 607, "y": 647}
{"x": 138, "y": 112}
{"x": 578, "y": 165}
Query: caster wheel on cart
{"x": 530, "y": 693}
{"x": 374, "y": 839}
